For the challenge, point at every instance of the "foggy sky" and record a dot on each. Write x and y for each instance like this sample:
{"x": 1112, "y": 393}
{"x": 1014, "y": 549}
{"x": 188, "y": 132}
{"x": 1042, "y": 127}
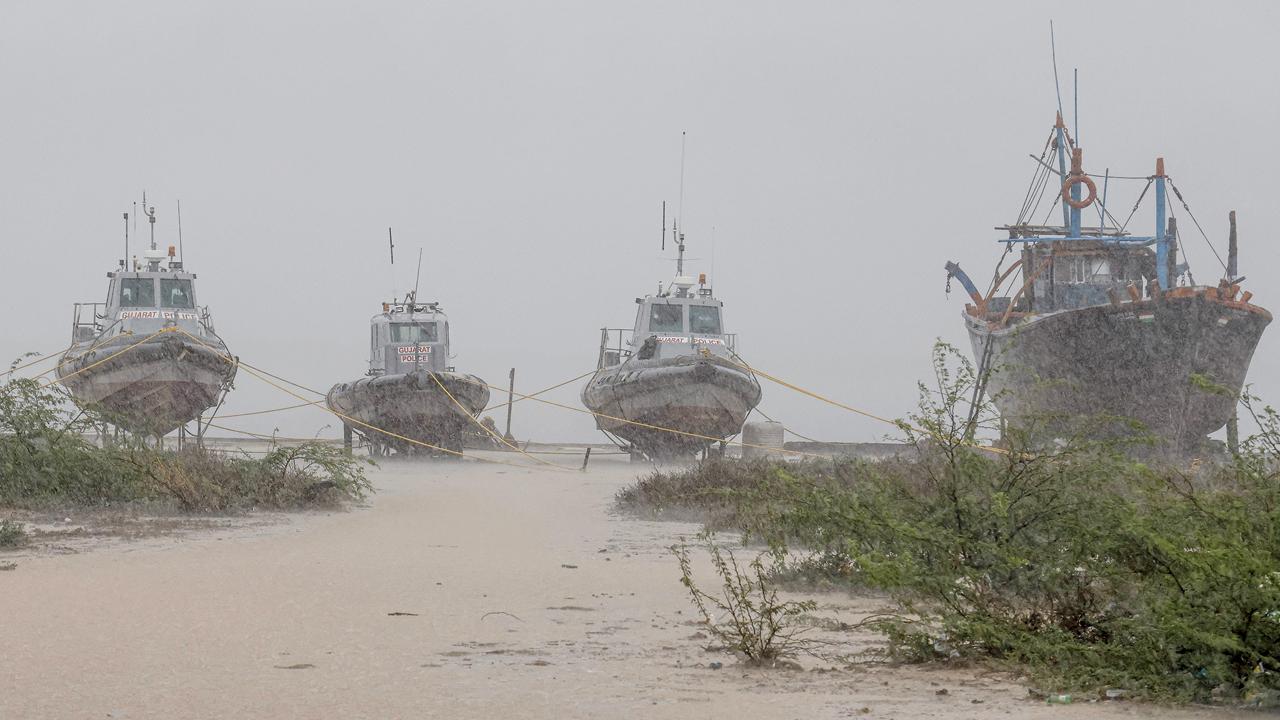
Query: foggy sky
{"x": 838, "y": 155}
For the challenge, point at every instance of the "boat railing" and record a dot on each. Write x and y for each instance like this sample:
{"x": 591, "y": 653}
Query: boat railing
{"x": 614, "y": 347}
{"x": 86, "y": 324}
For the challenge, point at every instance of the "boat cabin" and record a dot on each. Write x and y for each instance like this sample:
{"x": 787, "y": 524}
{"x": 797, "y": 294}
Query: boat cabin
{"x": 1084, "y": 273}
{"x": 681, "y": 321}
{"x": 408, "y": 336}
{"x": 144, "y": 301}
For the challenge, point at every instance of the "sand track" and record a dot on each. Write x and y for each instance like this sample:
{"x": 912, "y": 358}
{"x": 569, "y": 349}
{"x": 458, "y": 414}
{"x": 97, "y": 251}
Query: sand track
{"x": 461, "y": 591}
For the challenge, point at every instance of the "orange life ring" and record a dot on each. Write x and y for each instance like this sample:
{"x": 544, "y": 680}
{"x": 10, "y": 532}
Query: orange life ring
{"x": 1074, "y": 180}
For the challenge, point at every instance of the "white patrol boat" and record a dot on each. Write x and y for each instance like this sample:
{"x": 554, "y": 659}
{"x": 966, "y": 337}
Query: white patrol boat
{"x": 147, "y": 358}
{"x": 671, "y": 385}
{"x": 410, "y": 400}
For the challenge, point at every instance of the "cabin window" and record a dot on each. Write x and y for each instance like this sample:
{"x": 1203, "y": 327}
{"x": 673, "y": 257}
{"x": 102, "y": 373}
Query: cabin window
{"x": 1086, "y": 270}
{"x": 175, "y": 293}
{"x": 704, "y": 319}
{"x": 666, "y": 318}
{"x": 422, "y": 332}
{"x": 137, "y": 292}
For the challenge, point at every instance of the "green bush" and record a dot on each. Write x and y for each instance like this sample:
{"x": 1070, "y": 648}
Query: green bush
{"x": 746, "y": 614}
{"x": 47, "y": 458}
{"x": 1070, "y": 560}
{"x": 12, "y": 535}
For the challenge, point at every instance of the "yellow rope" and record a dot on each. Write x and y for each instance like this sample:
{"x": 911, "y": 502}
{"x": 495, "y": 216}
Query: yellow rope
{"x": 637, "y": 423}
{"x": 500, "y": 439}
{"x": 261, "y": 375}
{"x": 273, "y": 410}
{"x": 37, "y": 361}
{"x": 542, "y": 391}
{"x": 829, "y": 401}
{"x": 116, "y": 354}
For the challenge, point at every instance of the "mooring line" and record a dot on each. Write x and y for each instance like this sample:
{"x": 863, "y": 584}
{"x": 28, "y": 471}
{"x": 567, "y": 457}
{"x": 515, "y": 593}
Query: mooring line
{"x": 262, "y": 375}
{"x": 494, "y": 433}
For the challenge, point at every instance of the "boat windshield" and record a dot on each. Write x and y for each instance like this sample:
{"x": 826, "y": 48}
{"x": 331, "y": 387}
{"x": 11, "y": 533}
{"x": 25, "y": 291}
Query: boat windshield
{"x": 704, "y": 319}
{"x": 414, "y": 332}
{"x": 175, "y": 293}
{"x": 665, "y": 318}
{"x": 137, "y": 292}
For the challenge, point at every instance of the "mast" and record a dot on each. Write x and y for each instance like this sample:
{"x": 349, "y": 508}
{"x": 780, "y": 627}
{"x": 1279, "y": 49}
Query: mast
{"x": 1162, "y": 236}
{"x": 1076, "y": 171}
{"x": 680, "y": 255}
{"x": 1061, "y": 142}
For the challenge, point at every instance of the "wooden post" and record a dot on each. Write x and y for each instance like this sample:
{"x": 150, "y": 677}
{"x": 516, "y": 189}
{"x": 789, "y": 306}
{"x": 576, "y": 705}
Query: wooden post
{"x": 1233, "y": 424}
{"x": 1232, "y": 270}
{"x": 511, "y": 391}
{"x": 586, "y": 459}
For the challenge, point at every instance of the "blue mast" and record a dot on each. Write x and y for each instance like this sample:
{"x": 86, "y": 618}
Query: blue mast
{"x": 1062, "y": 160}
{"x": 1076, "y": 171}
{"x": 1162, "y": 238}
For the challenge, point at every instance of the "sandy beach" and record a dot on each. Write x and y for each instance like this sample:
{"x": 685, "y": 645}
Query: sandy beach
{"x": 462, "y": 590}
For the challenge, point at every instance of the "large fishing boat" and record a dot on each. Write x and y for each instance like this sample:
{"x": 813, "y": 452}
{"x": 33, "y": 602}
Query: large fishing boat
{"x": 411, "y": 400}
{"x": 148, "y": 357}
{"x": 670, "y": 386}
{"x": 1095, "y": 322}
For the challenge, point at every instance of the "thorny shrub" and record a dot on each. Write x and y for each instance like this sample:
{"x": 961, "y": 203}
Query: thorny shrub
{"x": 1071, "y": 560}
{"x": 746, "y": 616}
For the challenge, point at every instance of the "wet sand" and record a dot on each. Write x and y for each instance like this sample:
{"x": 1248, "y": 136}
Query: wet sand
{"x": 463, "y": 590}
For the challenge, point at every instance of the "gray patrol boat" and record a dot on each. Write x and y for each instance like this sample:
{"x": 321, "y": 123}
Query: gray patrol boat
{"x": 675, "y": 369}
{"x": 148, "y": 357}
{"x": 410, "y": 390}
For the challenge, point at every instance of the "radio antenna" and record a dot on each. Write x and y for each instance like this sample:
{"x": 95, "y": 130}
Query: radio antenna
{"x": 1053, "y": 50}
{"x": 391, "y": 244}
{"x": 417, "y": 279}
{"x": 680, "y": 207}
{"x": 182, "y": 254}
{"x": 664, "y": 225}
{"x": 151, "y": 218}
{"x": 125, "y": 262}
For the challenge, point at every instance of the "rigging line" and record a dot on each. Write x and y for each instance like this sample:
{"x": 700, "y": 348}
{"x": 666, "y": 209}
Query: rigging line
{"x": 1055, "y": 171}
{"x": 1136, "y": 204}
{"x": 1026, "y": 200}
{"x": 353, "y": 421}
{"x": 1186, "y": 256}
{"x": 14, "y": 368}
{"x": 1197, "y": 222}
{"x": 995, "y": 276}
{"x": 900, "y": 424}
{"x": 1044, "y": 183}
{"x": 1033, "y": 194}
{"x": 113, "y": 355}
{"x": 493, "y": 433}
{"x": 1058, "y": 199}
{"x": 273, "y": 410}
{"x": 786, "y": 429}
{"x": 350, "y": 420}
{"x": 540, "y": 392}
{"x": 262, "y": 436}
{"x": 659, "y": 427}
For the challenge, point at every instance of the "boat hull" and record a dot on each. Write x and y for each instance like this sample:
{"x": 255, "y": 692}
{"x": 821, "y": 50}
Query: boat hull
{"x": 411, "y": 405}
{"x": 706, "y": 397}
{"x": 1136, "y": 361}
{"x": 153, "y": 388}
